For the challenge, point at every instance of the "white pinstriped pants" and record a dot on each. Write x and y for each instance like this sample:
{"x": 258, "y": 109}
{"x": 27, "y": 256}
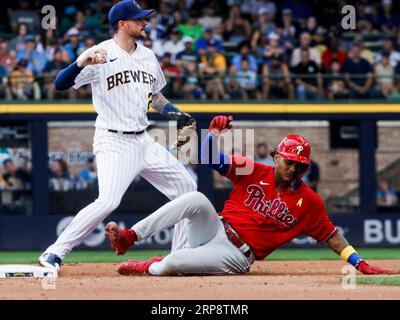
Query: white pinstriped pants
{"x": 120, "y": 158}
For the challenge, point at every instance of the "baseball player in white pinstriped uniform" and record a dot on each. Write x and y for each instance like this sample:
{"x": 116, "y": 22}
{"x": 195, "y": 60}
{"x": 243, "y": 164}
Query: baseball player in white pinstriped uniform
{"x": 126, "y": 79}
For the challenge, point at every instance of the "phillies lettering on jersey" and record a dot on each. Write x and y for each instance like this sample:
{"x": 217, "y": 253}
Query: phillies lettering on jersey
{"x": 129, "y": 75}
{"x": 265, "y": 219}
{"x": 122, "y": 86}
{"x": 276, "y": 209}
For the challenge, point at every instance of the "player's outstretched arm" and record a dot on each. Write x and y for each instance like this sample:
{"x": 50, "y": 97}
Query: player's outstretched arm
{"x": 210, "y": 154}
{"x": 65, "y": 79}
{"x": 339, "y": 244}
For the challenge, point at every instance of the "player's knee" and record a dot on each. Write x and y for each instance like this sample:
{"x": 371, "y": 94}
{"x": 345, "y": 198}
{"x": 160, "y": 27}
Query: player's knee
{"x": 198, "y": 199}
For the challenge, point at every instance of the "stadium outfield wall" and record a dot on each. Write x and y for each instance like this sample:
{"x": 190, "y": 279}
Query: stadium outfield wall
{"x": 35, "y": 233}
{"x": 365, "y": 228}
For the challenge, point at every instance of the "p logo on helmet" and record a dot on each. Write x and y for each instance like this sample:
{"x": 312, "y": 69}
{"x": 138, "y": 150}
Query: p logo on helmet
{"x": 295, "y": 148}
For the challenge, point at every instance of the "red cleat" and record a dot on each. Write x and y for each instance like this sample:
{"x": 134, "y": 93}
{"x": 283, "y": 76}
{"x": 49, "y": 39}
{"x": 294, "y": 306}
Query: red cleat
{"x": 137, "y": 267}
{"x": 121, "y": 239}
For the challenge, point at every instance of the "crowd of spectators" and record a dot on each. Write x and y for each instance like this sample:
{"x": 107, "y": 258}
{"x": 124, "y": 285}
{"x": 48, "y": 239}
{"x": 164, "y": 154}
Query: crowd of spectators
{"x": 231, "y": 49}
{"x": 16, "y": 172}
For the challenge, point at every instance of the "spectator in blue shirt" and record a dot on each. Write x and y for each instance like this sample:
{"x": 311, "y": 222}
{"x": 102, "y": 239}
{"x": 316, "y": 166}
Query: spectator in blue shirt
{"x": 244, "y": 53}
{"x": 74, "y": 47}
{"x": 204, "y": 41}
{"x": 34, "y": 60}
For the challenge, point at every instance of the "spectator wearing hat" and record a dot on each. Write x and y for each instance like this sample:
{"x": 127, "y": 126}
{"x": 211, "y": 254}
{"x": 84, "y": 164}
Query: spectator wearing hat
{"x": 74, "y": 46}
{"x": 212, "y": 66}
{"x": 262, "y": 27}
{"x": 277, "y": 82}
{"x": 272, "y": 47}
{"x": 305, "y": 44}
{"x": 173, "y": 45}
{"x": 244, "y": 53}
{"x": 33, "y": 60}
{"x": 203, "y": 42}
{"x": 25, "y": 15}
{"x": 188, "y": 54}
{"x": 358, "y": 74}
{"x": 237, "y": 28}
{"x": 388, "y": 50}
{"x": 308, "y": 78}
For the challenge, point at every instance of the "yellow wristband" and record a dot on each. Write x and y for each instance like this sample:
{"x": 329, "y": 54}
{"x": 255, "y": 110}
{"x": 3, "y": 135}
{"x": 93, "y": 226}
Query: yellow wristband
{"x": 347, "y": 252}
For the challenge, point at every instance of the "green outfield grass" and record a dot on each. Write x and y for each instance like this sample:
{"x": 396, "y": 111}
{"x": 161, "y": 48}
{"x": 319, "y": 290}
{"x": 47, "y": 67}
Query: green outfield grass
{"x": 21, "y": 257}
{"x": 379, "y": 281}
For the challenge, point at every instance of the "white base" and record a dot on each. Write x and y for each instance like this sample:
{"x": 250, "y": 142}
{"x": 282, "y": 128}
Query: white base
{"x": 26, "y": 271}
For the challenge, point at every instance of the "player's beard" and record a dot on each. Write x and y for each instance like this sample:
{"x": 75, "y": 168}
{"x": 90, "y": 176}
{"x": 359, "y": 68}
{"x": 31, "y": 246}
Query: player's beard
{"x": 138, "y": 35}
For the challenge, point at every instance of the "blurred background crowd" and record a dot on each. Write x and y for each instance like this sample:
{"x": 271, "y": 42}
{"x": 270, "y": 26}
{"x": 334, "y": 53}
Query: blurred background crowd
{"x": 217, "y": 49}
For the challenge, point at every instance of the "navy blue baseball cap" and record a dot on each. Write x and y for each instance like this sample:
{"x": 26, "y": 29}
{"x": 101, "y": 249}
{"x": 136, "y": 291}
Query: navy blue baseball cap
{"x": 127, "y": 10}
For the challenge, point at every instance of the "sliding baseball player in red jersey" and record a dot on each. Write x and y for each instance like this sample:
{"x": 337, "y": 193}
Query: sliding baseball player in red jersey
{"x": 268, "y": 207}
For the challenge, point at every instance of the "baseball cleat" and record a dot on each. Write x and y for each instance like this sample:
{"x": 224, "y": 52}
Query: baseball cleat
{"x": 50, "y": 260}
{"x": 137, "y": 267}
{"x": 121, "y": 239}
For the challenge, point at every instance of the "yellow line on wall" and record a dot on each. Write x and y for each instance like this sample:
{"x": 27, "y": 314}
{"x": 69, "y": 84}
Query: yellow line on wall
{"x": 217, "y": 108}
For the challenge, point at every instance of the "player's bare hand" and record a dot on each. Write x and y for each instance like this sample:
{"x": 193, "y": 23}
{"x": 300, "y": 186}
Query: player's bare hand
{"x": 93, "y": 55}
{"x": 220, "y": 123}
{"x": 365, "y": 268}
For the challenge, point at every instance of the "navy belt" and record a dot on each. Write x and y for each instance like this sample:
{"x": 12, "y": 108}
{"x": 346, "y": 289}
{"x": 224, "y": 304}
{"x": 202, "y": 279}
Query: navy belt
{"x": 126, "y": 132}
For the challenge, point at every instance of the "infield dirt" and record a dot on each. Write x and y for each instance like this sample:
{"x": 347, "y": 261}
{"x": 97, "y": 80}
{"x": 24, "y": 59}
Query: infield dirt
{"x": 267, "y": 280}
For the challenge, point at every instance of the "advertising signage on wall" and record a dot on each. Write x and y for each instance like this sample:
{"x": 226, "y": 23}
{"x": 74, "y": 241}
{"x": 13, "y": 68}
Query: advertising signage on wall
{"x": 35, "y": 233}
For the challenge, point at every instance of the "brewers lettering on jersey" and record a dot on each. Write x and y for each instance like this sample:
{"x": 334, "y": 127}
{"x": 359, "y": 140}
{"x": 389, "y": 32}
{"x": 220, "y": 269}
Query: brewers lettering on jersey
{"x": 126, "y": 79}
{"x": 261, "y": 214}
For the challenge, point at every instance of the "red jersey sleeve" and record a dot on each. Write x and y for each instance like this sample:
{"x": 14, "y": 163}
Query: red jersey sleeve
{"x": 239, "y": 168}
{"x": 319, "y": 226}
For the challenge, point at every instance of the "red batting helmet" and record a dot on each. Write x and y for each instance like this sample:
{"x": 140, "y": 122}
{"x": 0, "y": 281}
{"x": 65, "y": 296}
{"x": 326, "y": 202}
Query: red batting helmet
{"x": 295, "y": 148}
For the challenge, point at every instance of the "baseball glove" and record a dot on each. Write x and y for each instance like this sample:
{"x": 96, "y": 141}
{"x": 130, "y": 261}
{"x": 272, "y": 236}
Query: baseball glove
{"x": 186, "y": 125}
